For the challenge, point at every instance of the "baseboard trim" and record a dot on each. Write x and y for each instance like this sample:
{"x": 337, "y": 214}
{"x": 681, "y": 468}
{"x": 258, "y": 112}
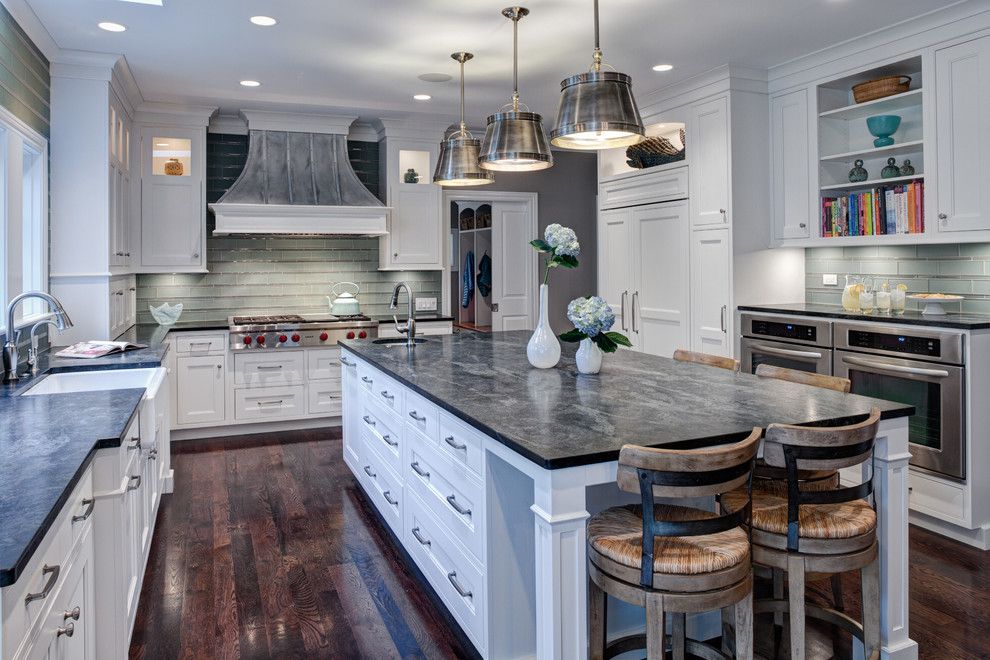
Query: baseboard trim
{"x": 256, "y": 427}
{"x": 978, "y": 538}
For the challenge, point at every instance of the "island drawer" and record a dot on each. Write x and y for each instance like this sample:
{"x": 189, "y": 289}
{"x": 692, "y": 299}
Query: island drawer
{"x": 422, "y": 415}
{"x": 263, "y": 369}
{"x": 381, "y": 387}
{"x": 458, "y": 581}
{"x": 187, "y": 343}
{"x": 455, "y": 498}
{"x": 462, "y": 443}
{"x": 323, "y": 364}
{"x": 271, "y": 403}
{"x": 383, "y": 433}
{"x": 384, "y": 488}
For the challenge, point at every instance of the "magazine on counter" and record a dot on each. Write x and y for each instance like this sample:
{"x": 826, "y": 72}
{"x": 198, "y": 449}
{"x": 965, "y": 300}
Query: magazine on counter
{"x": 94, "y": 349}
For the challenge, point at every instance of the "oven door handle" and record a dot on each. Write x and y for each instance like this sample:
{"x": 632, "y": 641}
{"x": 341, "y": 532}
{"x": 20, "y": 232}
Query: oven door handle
{"x": 785, "y": 352}
{"x": 915, "y": 371}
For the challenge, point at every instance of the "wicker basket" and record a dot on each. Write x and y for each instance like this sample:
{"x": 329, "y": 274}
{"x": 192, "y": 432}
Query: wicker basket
{"x": 872, "y": 90}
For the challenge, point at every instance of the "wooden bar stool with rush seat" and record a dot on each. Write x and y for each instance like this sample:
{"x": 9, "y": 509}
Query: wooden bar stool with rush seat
{"x": 817, "y": 531}
{"x": 670, "y": 558}
{"x": 682, "y": 355}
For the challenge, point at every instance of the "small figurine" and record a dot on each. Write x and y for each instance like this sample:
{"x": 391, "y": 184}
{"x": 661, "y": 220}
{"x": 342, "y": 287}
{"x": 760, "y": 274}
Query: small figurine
{"x": 907, "y": 169}
{"x": 858, "y": 173}
{"x": 410, "y": 176}
{"x": 891, "y": 170}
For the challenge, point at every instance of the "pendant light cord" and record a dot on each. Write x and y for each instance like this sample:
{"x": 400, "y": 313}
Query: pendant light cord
{"x": 463, "y": 125}
{"x": 597, "y": 66}
{"x": 515, "y": 60}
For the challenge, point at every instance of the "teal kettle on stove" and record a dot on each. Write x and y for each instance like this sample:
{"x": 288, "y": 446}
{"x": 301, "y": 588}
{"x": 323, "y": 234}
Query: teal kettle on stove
{"x": 345, "y": 303}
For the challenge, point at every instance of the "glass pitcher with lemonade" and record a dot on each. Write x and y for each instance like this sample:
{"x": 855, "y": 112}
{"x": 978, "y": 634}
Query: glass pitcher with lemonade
{"x": 851, "y": 293}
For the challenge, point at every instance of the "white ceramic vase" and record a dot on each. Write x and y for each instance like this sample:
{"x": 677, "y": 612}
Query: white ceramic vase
{"x": 589, "y": 357}
{"x": 543, "y": 349}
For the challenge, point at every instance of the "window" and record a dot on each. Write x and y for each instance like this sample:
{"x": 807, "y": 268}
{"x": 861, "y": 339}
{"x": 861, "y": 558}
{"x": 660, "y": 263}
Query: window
{"x": 23, "y": 215}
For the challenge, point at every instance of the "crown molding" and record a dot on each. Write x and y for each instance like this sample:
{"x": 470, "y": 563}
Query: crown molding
{"x": 228, "y": 124}
{"x": 429, "y": 127}
{"x": 84, "y": 65}
{"x": 123, "y": 83}
{"x": 721, "y": 79}
{"x": 174, "y": 114}
{"x": 298, "y": 122}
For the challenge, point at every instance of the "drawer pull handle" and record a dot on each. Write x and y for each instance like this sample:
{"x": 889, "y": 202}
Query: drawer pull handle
{"x": 347, "y": 363}
{"x": 268, "y": 367}
{"x": 135, "y": 444}
{"x": 90, "y": 504}
{"x": 452, "y": 576}
{"x": 389, "y": 441}
{"x": 412, "y": 413}
{"x": 456, "y": 445}
{"x": 368, "y": 421}
{"x": 71, "y": 614}
{"x": 418, "y": 470}
{"x": 200, "y": 343}
{"x": 388, "y": 498}
{"x": 367, "y": 380}
{"x": 386, "y": 395}
{"x": 68, "y": 630}
{"x": 52, "y": 572}
{"x": 452, "y": 501}
{"x": 419, "y": 537}
{"x": 270, "y": 403}
{"x": 135, "y": 482}
{"x": 367, "y": 471}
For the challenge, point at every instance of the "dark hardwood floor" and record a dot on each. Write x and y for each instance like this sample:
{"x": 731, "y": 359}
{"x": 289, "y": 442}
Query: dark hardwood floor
{"x": 267, "y": 549}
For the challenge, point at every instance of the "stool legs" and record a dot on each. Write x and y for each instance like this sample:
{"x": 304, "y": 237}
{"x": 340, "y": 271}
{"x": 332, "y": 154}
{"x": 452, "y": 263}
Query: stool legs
{"x": 655, "y": 617}
{"x": 744, "y": 628}
{"x": 795, "y": 596}
{"x": 678, "y": 635}
{"x": 596, "y": 620}
{"x": 870, "y": 577}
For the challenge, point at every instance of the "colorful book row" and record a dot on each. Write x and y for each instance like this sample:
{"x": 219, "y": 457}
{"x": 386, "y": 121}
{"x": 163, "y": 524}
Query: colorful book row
{"x": 883, "y": 210}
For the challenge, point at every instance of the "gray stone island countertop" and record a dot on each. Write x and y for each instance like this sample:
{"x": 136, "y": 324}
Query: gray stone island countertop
{"x": 559, "y": 418}
{"x": 910, "y": 317}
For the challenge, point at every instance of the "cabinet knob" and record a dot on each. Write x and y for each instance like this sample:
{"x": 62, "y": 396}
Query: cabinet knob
{"x": 395, "y": 255}
{"x": 67, "y": 630}
{"x": 803, "y": 225}
{"x": 195, "y": 255}
{"x": 942, "y": 216}
{"x": 71, "y": 614}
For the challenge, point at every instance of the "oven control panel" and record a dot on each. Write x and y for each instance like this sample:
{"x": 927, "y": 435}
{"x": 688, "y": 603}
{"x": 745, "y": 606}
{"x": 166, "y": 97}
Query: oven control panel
{"x": 908, "y": 344}
{"x": 799, "y": 331}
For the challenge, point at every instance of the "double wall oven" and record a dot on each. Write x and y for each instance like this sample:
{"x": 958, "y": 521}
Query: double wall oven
{"x": 918, "y": 366}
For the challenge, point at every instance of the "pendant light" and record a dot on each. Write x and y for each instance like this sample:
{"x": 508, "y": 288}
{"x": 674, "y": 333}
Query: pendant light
{"x": 597, "y": 109}
{"x": 458, "y": 162}
{"x": 514, "y": 140}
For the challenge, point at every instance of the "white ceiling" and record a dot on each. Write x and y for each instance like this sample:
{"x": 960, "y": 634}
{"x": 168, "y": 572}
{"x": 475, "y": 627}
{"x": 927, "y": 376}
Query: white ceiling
{"x": 366, "y": 54}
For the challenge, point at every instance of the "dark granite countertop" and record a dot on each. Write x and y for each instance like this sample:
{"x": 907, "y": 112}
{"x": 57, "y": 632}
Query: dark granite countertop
{"x": 910, "y": 317}
{"x": 559, "y": 418}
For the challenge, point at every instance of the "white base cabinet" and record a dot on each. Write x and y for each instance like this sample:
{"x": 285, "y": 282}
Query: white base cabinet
{"x": 711, "y": 292}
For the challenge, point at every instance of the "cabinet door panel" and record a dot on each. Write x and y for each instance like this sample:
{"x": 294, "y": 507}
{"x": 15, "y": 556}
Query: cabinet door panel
{"x": 200, "y": 389}
{"x": 614, "y": 267}
{"x": 790, "y": 153}
{"x": 168, "y": 234}
{"x": 413, "y": 231}
{"x": 962, "y": 104}
{"x": 708, "y": 152}
{"x": 660, "y": 259}
{"x": 711, "y": 292}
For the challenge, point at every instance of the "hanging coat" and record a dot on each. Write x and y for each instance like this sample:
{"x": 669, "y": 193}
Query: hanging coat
{"x": 467, "y": 282}
{"x": 485, "y": 276}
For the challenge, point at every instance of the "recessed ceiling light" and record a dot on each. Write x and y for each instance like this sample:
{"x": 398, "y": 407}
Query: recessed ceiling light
{"x": 264, "y": 21}
{"x": 434, "y": 77}
{"x": 251, "y": 83}
{"x": 111, "y": 27}
{"x": 663, "y": 67}
{"x": 157, "y": 3}
{"x": 422, "y": 97}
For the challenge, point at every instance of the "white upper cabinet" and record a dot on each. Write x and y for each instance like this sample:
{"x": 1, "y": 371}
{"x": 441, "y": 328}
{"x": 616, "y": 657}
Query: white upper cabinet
{"x": 173, "y": 205}
{"x": 962, "y": 106}
{"x": 415, "y": 237}
{"x": 708, "y": 154}
{"x": 711, "y": 292}
{"x": 119, "y": 130}
{"x": 791, "y": 165}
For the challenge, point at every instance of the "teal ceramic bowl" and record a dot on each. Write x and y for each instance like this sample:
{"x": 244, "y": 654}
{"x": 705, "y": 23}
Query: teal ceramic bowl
{"x": 882, "y": 127}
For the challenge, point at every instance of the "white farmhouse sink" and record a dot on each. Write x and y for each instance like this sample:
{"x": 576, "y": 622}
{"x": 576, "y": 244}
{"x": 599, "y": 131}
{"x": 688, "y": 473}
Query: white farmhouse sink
{"x": 92, "y": 381}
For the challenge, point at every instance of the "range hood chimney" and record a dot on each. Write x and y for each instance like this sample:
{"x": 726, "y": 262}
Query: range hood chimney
{"x": 298, "y": 180}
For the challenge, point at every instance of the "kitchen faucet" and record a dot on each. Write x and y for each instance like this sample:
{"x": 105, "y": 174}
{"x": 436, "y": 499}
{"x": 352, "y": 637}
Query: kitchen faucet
{"x": 62, "y": 321}
{"x": 409, "y": 329}
{"x": 32, "y": 361}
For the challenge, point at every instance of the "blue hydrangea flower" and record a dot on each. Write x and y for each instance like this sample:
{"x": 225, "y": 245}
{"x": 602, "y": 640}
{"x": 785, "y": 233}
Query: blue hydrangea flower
{"x": 562, "y": 239}
{"x": 591, "y": 315}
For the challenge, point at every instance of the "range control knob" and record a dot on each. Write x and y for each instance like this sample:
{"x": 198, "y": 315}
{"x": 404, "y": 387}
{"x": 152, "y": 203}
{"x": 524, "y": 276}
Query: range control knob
{"x": 282, "y": 339}
{"x": 362, "y": 334}
{"x": 261, "y": 339}
{"x": 247, "y": 340}
{"x": 295, "y": 338}
{"x": 350, "y": 334}
{"x": 324, "y": 336}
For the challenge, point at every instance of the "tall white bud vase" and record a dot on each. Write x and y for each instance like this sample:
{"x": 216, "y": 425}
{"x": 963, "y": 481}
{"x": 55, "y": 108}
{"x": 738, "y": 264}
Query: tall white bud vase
{"x": 543, "y": 349}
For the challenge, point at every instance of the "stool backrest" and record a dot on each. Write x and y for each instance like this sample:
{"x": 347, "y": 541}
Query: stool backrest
{"x": 687, "y": 473}
{"x": 837, "y": 383}
{"x": 682, "y": 355}
{"x": 819, "y": 448}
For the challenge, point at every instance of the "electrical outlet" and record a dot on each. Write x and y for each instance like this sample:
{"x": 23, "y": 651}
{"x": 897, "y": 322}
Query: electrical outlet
{"x": 830, "y": 279}
{"x": 426, "y": 304}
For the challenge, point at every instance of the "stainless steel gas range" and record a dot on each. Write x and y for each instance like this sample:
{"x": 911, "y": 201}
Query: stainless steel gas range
{"x": 296, "y": 331}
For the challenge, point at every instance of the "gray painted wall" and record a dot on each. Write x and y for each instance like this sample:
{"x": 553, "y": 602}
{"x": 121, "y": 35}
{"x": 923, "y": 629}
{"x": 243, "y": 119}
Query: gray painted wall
{"x": 568, "y": 194}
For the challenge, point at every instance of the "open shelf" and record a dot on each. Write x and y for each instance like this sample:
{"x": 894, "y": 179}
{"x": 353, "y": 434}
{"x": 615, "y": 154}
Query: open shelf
{"x": 874, "y": 152}
{"x": 873, "y": 183}
{"x": 885, "y": 106}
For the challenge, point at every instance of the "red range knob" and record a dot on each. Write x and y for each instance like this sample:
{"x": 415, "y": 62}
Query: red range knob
{"x": 324, "y": 336}
{"x": 283, "y": 338}
{"x": 261, "y": 339}
{"x": 350, "y": 334}
{"x": 295, "y": 338}
{"x": 362, "y": 334}
{"x": 247, "y": 340}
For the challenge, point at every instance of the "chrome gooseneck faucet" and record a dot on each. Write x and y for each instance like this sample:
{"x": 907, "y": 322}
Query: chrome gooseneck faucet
{"x": 62, "y": 321}
{"x": 409, "y": 329}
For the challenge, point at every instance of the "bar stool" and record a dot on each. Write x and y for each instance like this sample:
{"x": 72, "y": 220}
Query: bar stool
{"x": 682, "y": 355}
{"x": 670, "y": 558}
{"x": 817, "y": 532}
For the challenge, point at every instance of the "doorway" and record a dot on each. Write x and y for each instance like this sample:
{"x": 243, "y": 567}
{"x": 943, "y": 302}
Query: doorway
{"x": 491, "y": 268}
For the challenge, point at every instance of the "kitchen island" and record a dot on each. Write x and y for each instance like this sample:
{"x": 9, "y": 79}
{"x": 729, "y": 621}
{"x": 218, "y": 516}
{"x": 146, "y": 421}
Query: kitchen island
{"x": 486, "y": 469}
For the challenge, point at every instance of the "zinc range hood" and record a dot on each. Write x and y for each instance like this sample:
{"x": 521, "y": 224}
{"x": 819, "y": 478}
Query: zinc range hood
{"x": 298, "y": 180}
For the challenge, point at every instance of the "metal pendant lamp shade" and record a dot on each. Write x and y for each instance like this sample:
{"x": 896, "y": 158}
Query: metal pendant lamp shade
{"x": 597, "y": 109}
{"x": 459, "y": 150}
{"x": 514, "y": 139}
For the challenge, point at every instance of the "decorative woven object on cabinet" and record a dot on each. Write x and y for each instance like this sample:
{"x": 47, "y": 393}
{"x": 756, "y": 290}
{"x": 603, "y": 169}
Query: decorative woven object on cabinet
{"x": 878, "y": 88}
{"x": 655, "y": 151}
